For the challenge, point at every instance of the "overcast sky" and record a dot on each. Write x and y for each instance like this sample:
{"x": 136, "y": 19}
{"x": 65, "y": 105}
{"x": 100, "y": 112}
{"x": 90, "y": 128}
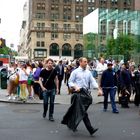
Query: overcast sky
{"x": 11, "y": 14}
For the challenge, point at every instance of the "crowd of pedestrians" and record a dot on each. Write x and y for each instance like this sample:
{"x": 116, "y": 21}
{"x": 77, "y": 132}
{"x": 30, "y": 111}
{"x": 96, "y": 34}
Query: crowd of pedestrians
{"x": 23, "y": 83}
{"x": 26, "y": 80}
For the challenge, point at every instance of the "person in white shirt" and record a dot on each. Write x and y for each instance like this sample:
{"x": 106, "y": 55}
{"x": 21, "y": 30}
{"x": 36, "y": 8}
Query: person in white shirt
{"x": 101, "y": 66}
{"x": 81, "y": 78}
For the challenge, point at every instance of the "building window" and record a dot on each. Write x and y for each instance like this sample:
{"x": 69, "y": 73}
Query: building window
{"x": 90, "y": 9}
{"x": 54, "y": 8}
{"x": 54, "y": 16}
{"x": 91, "y": 1}
{"x": 114, "y": 0}
{"x": 79, "y": 27}
{"x": 54, "y": 35}
{"x": 40, "y": 34}
{"x": 40, "y": 44}
{"x": 78, "y": 51}
{"x": 40, "y": 15}
{"x": 79, "y": 1}
{"x": 79, "y": 9}
{"x": 40, "y": 53}
{"x": 66, "y": 17}
{"x": 102, "y": 1}
{"x": 67, "y": 1}
{"x": 127, "y": 2}
{"x": 54, "y": 49}
{"x": 78, "y": 17}
{"x": 54, "y": 26}
{"x": 66, "y": 27}
{"x": 54, "y": 1}
{"x": 40, "y": 6}
{"x": 66, "y": 36}
{"x": 67, "y": 12}
{"x": 78, "y": 37}
{"x": 114, "y": 3}
{"x": 66, "y": 50}
{"x": 40, "y": 25}
{"x": 67, "y": 9}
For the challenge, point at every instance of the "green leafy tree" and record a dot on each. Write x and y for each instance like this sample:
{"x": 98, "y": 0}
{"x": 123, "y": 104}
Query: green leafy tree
{"x": 6, "y": 50}
{"x": 123, "y": 45}
{"x": 90, "y": 41}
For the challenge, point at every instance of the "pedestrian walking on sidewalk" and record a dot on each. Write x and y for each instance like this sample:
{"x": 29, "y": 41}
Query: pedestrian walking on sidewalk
{"x": 60, "y": 73}
{"x": 109, "y": 86}
{"x": 79, "y": 81}
{"x": 137, "y": 86}
{"x": 49, "y": 84}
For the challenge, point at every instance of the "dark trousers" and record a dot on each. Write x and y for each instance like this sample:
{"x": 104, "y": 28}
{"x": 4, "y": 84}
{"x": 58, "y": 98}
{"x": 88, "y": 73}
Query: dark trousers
{"x": 49, "y": 94}
{"x": 60, "y": 79}
{"x": 137, "y": 95}
{"x": 87, "y": 123}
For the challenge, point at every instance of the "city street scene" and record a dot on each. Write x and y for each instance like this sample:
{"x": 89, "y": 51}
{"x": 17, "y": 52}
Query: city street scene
{"x": 69, "y": 69}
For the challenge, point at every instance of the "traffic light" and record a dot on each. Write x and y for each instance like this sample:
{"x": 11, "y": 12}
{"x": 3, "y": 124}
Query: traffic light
{"x": 2, "y": 42}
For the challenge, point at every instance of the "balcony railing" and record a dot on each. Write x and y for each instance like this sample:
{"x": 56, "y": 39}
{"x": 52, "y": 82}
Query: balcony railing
{"x": 49, "y": 29}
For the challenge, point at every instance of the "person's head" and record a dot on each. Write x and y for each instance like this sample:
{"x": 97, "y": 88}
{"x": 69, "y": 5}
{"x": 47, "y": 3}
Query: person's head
{"x": 23, "y": 66}
{"x": 109, "y": 65}
{"x": 126, "y": 65}
{"x": 60, "y": 61}
{"x": 49, "y": 62}
{"x": 102, "y": 60}
{"x": 83, "y": 62}
{"x": 33, "y": 65}
{"x": 132, "y": 68}
{"x": 40, "y": 65}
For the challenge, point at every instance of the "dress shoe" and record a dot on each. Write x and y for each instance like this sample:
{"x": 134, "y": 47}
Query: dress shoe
{"x": 44, "y": 115}
{"x": 104, "y": 110}
{"x": 93, "y": 131}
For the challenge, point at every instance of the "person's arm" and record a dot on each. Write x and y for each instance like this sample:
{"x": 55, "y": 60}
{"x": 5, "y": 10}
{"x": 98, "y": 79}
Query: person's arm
{"x": 41, "y": 84}
{"x": 94, "y": 84}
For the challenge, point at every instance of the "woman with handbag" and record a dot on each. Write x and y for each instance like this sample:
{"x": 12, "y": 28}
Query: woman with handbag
{"x": 13, "y": 82}
{"x": 49, "y": 84}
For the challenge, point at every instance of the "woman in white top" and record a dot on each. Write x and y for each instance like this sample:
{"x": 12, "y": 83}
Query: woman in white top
{"x": 23, "y": 76}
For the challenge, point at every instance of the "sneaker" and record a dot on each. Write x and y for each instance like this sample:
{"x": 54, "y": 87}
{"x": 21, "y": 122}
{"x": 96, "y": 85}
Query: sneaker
{"x": 10, "y": 98}
{"x": 116, "y": 111}
{"x": 14, "y": 98}
{"x": 51, "y": 119}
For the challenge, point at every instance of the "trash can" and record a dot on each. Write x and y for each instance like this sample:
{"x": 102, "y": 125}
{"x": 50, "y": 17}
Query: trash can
{"x": 3, "y": 78}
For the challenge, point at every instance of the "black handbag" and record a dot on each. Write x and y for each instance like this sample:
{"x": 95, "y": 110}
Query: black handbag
{"x": 40, "y": 94}
{"x": 40, "y": 90}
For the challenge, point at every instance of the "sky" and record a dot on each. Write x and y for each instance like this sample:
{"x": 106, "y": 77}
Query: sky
{"x": 11, "y": 15}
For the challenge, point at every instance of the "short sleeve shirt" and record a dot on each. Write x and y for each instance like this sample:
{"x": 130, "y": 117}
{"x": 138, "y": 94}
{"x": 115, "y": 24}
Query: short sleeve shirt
{"x": 45, "y": 74}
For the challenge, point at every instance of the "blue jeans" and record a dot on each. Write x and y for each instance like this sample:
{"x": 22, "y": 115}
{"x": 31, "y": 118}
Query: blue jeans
{"x": 49, "y": 94}
{"x": 112, "y": 92}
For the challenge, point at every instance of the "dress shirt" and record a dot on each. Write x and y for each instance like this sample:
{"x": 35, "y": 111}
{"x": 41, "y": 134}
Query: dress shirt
{"x": 82, "y": 78}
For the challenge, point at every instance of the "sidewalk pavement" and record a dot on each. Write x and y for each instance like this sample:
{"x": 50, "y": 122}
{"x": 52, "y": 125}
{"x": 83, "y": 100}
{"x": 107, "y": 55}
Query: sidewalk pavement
{"x": 64, "y": 98}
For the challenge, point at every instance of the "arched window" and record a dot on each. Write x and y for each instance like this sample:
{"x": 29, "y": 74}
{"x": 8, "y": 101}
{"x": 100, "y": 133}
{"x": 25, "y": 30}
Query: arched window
{"x": 78, "y": 50}
{"x": 54, "y": 49}
{"x": 66, "y": 50}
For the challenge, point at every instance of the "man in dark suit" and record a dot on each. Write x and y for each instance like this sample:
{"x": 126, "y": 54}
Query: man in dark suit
{"x": 60, "y": 73}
